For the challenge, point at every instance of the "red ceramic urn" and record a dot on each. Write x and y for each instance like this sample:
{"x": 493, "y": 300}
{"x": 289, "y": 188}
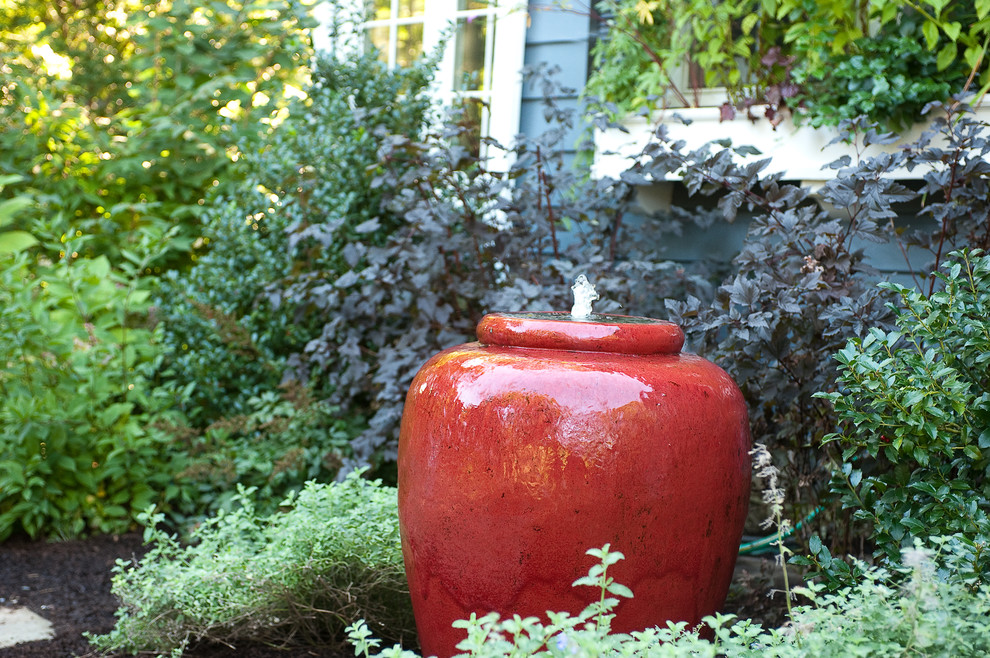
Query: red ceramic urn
{"x": 551, "y": 436}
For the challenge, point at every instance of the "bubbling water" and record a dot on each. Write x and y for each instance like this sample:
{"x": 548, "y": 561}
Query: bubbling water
{"x": 584, "y": 295}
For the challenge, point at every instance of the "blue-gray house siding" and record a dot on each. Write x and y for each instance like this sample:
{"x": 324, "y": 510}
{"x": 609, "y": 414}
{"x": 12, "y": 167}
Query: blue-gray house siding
{"x": 556, "y": 37}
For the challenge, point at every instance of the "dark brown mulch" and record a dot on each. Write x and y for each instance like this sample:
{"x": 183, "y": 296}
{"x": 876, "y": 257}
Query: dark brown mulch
{"x": 68, "y": 583}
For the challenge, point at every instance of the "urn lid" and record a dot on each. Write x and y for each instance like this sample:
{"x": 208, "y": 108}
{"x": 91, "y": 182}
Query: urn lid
{"x": 621, "y": 334}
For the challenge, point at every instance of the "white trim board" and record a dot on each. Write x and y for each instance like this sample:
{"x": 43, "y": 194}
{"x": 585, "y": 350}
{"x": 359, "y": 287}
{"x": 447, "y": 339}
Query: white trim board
{"x": 800, "y": 152}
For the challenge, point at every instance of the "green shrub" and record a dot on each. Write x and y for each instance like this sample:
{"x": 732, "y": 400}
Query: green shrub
{"x": 80, "y": 447}
{"x": 889, "y": 76}
{"x": 914, "y": 404}
{"x": 145, "y": 113}
{"x": 922, "y": 617}
{"x": 294, "y": 578}
{"x": 119, "y": 116}
{"x": 230, "y": 332}
{"x": 285, "y": 438}
{"x": 825, "y": 62}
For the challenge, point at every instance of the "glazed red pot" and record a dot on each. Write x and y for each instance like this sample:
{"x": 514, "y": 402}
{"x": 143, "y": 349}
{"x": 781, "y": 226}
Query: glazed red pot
{"x": 552, "y": 436}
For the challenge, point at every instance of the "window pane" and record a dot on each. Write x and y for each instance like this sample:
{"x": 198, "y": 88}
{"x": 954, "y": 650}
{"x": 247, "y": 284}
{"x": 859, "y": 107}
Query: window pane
{"x": 472, "y": 4}
{"x": 380, "y": 9}
{"x": 469, "y": 54}
{"x": 377, "y": 37}
{"x": 409, "y": 8}
{"x": 474, "y": 116}
{"x": 410, "y": 44}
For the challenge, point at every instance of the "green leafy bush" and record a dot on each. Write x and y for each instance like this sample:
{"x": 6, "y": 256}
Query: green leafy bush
{"x": 888, "y": 76}
{"x": 648, "y": 45}
{"x": 285, "y": 438}
{"x": 914, "y": 403}
{"x": 79, "y": 446}
{"x": 124, "y": 114}
{"x": 923, "y": 616}
{"x": 294, "y": 578}
{"x": 826, "y": 62}
{"x": 230, "y": 329}
{"x": 119, "y": 116}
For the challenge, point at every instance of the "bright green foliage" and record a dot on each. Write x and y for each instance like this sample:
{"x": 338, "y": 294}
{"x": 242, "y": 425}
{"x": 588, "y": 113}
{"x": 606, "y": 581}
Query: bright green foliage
{"x": 828, "y": 60}
{"x": 124, "y": 114}
{"x": 12, "y": 240}
{"x": 80, "y": 445}
{"x": 889, "y": 76}
{"x": 625, "y": 72}
{"x": 722, "y": 43}
{"x": 956, "y": 30}
{"x": 285, "y": 439}
{"x": 297, "y": 577}
{"x": 915, "y": 410}
{"x": 922, "y": 617}
{"x": 120, "y": 117}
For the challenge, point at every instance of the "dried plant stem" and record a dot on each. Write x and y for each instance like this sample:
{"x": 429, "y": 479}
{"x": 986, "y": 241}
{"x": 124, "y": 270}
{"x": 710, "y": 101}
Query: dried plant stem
{"x": 773, "y": 495}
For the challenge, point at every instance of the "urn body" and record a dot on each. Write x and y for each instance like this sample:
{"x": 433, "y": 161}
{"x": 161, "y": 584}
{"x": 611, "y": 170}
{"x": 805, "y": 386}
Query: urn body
{"x": 549, "y": 437}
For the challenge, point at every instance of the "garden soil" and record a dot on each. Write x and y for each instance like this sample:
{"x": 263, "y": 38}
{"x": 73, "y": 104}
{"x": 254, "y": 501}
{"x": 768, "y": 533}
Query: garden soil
{"x": 68, "y": 583}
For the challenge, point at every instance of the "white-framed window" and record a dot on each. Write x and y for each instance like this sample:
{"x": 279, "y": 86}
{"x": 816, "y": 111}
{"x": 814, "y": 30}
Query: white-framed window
{"x": 482, "y": 58}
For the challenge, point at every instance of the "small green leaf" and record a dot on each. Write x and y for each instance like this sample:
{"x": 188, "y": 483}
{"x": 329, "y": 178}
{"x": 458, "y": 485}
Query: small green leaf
{"x": 620, "y": 590}
{"x": 749, "y": 22}
{"x": 952, "y": 30}
{"x": 10, "y": 207}
{"x": 12, "y": 242}
{"x": 946, "y": 56}
{"x": 930, "y": 30}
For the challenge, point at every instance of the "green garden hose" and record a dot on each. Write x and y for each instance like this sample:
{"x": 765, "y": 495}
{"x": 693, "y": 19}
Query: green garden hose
{"x": 758, "y": 544}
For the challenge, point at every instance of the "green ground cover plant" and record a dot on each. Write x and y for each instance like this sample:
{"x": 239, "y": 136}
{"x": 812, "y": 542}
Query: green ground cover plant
{"x": 911, "y": 612}
{"x": 297, "y": 577}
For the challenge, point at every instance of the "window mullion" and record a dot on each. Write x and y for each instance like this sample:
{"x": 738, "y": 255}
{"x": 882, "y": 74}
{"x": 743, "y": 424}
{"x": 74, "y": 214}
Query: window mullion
{"x": 440, "y": 29}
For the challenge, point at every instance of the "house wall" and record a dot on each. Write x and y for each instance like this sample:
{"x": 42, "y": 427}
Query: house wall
{"x": 556, "y": 37}
{"x": 563, "y": 38}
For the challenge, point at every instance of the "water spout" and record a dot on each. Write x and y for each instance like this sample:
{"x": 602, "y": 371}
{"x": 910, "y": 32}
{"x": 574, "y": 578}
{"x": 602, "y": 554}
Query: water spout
{"x": 584, "y": 294}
